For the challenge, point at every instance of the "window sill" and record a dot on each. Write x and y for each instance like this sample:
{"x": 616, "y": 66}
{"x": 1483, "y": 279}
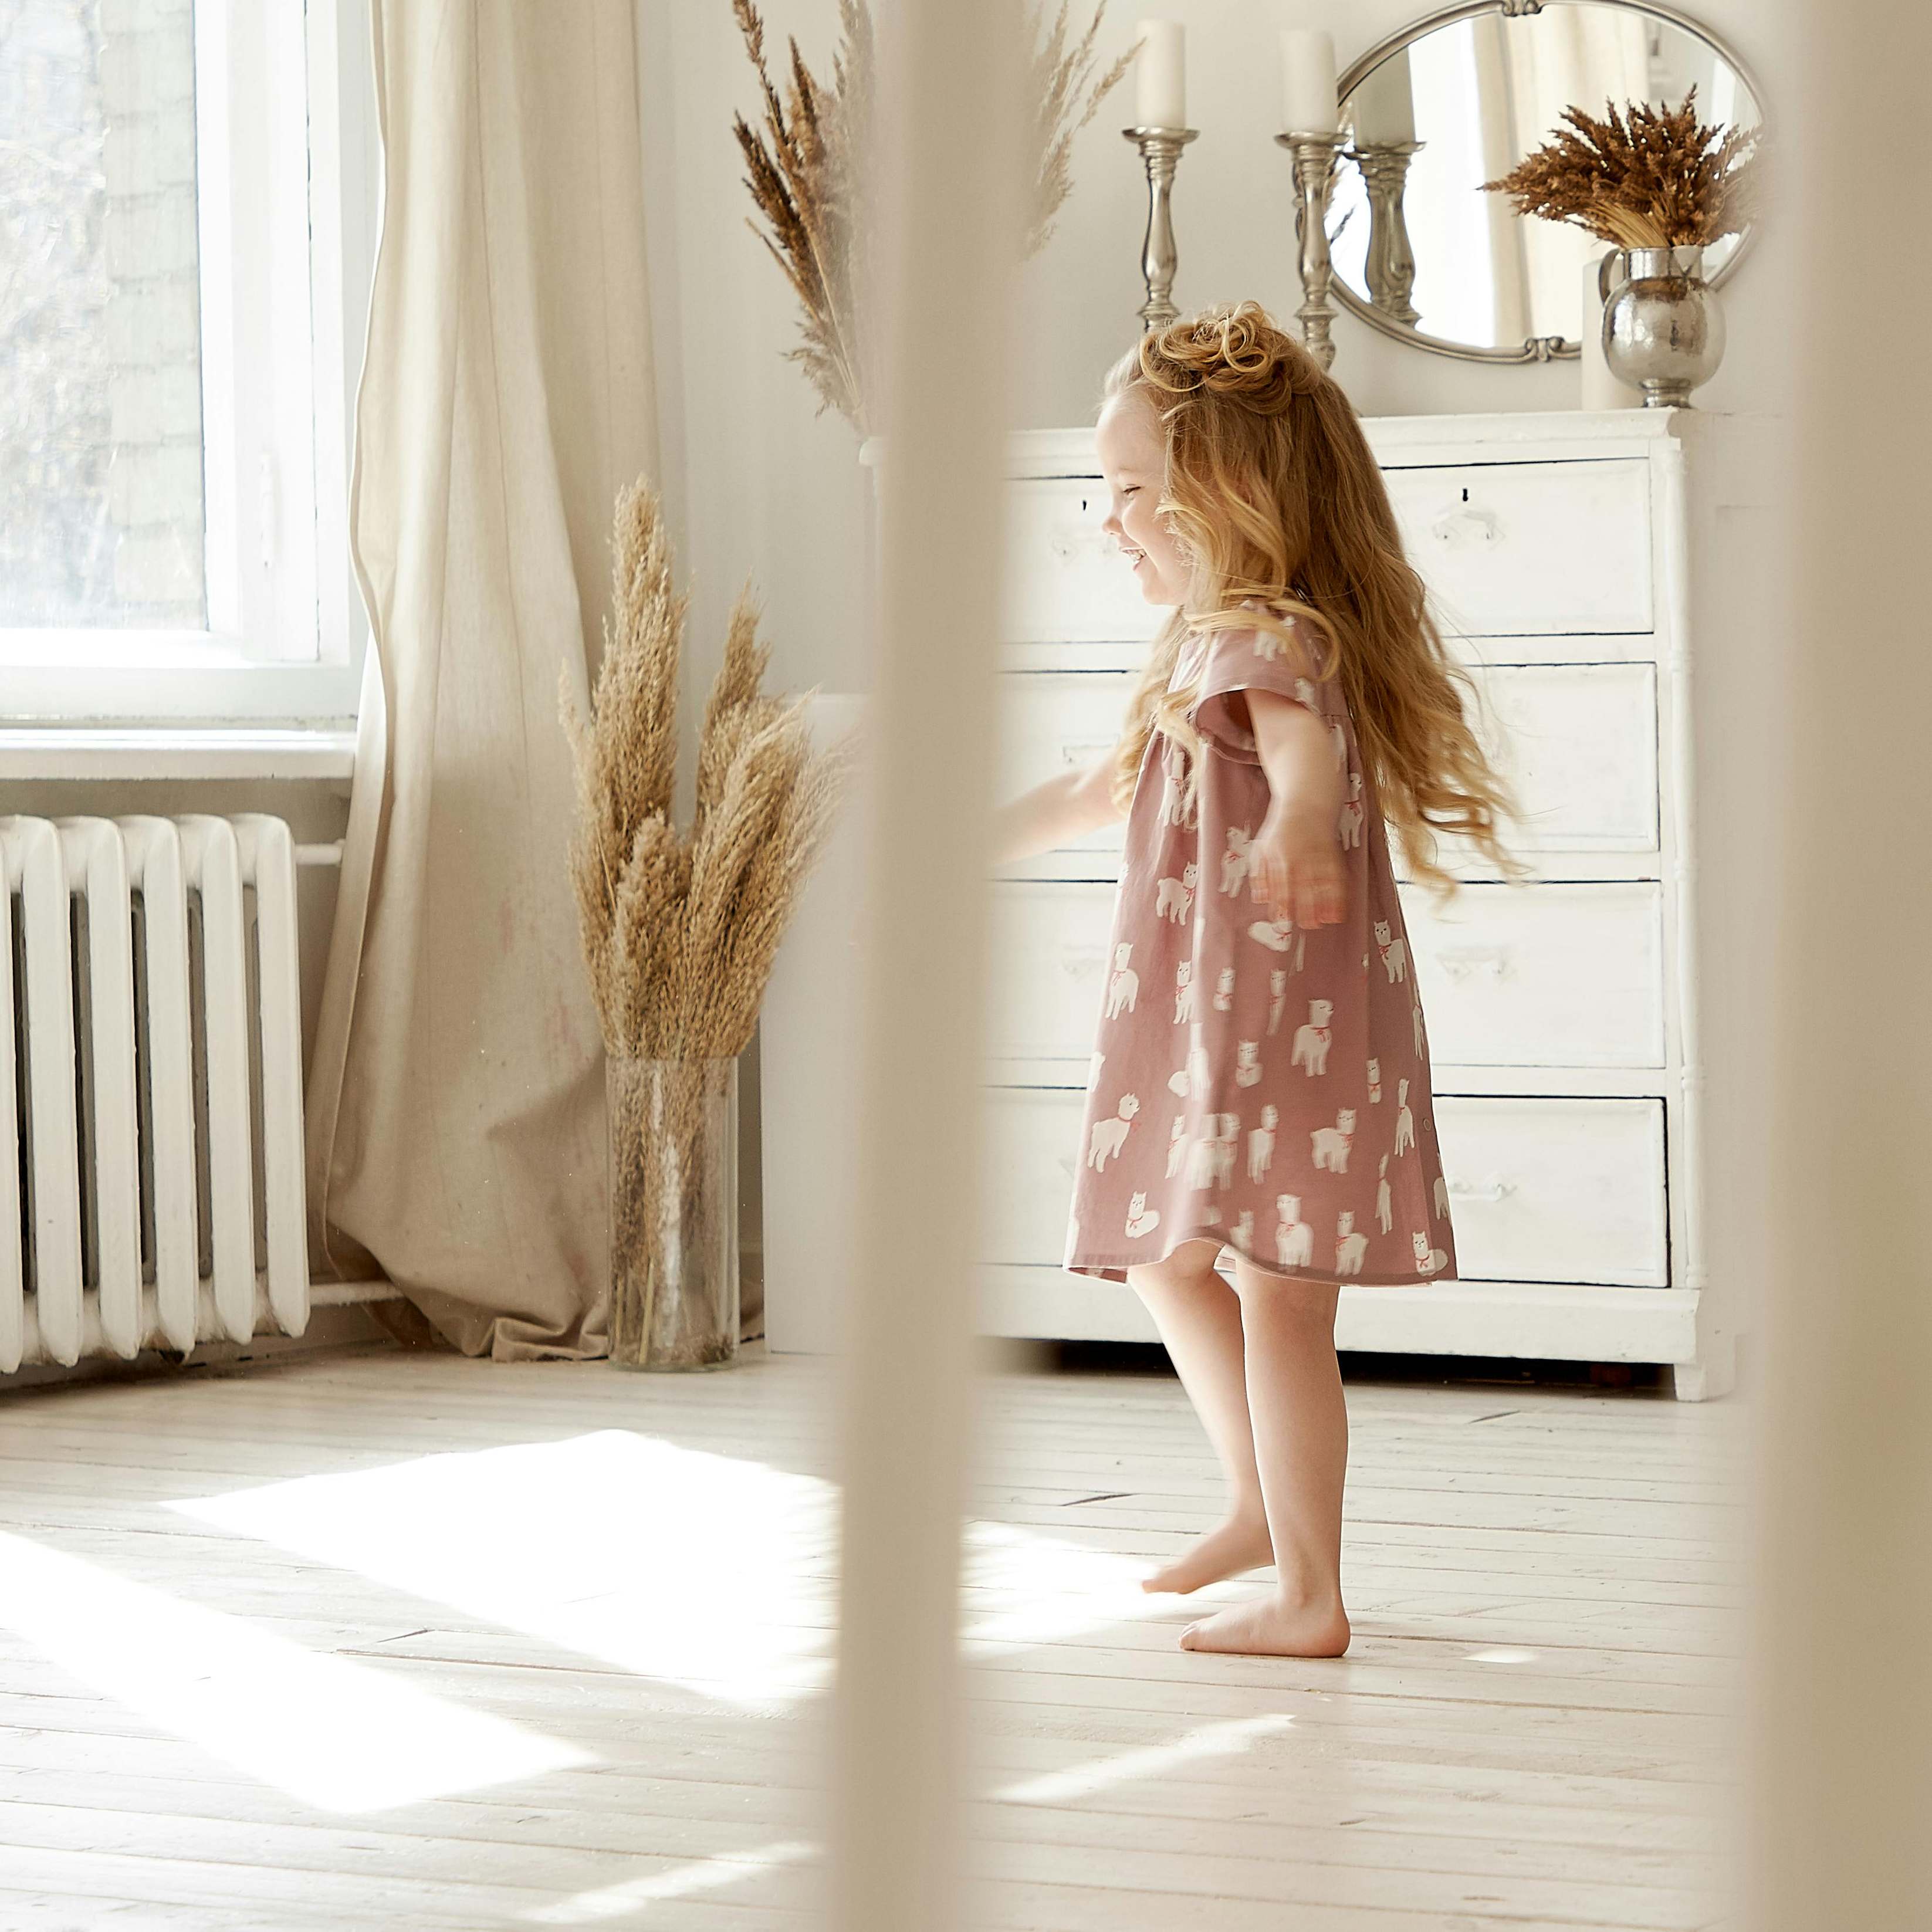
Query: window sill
{"x": 323, "y": 751}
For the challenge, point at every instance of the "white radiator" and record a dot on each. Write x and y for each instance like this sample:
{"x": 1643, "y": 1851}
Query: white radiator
{"x": 150, "y": 1127}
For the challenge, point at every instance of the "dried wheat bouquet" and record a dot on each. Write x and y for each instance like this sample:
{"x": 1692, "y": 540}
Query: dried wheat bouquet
{"x": 1648, "y": 178}
{"x": 680, "y": 930}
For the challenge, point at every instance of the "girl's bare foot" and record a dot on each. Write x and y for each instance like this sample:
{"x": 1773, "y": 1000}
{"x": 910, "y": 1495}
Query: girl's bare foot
{"x": 1240, "y": 1544}
{"x": 1272, "y": 1627}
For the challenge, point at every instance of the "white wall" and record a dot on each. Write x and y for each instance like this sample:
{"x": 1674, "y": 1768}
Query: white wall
{"x": 754, "y": 483}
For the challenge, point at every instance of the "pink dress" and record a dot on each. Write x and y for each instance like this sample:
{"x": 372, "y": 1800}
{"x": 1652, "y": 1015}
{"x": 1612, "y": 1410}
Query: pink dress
{"x": 1263, "y": 1086}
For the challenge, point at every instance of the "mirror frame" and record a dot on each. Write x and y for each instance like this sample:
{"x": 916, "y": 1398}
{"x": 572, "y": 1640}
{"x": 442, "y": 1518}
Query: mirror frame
{"x": 1536, "y": 348}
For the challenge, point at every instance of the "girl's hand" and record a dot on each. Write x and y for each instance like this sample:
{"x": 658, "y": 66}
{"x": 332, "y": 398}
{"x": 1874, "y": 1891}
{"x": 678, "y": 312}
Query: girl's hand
{"x": 1295, "y": 866}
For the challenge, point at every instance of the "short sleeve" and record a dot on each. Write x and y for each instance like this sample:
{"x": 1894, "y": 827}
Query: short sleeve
{"x": 1240, "y": 659}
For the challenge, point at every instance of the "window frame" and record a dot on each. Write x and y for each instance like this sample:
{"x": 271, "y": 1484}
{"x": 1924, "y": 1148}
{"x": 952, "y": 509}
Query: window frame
{"x": 286, "y": 223}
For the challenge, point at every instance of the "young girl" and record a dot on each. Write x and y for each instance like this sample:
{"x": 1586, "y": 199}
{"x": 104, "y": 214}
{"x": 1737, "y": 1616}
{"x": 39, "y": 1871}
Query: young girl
{"x": 1260, "y": 1081}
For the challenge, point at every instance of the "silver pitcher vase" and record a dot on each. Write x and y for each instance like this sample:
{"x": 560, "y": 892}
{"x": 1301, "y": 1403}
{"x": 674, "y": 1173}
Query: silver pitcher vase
{"x": 674, "y": 1260}
{"x": 1663, "y": 332}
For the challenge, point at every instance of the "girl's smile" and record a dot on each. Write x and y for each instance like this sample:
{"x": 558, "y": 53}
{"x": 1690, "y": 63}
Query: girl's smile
{"x": 1133, "y": 459}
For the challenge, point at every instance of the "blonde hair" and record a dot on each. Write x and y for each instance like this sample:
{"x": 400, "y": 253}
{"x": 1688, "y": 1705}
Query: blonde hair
{"x": 1272, "y": 494}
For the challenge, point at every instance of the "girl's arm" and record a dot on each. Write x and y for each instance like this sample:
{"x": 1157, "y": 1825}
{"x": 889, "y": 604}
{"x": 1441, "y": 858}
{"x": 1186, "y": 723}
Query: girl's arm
{"x": 1065, "y": 808}
{"x": 1295, "y": 865}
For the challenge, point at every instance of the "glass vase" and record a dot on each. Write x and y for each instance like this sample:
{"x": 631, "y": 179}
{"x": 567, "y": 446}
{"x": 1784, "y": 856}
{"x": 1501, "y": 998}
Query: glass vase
{"x": 673, "y": 1212}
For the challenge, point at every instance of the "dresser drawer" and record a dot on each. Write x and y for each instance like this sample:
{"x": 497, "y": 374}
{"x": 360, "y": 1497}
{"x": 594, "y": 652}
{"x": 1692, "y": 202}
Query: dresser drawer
{"x": 1033, "y": 1135}
{"x": 1541, "y": 975}
{"x": 1049, "y": 967}
{"x": 1050, "y": 723}
{"x": 1519, "y": 549}
{"x": 1578, "y": 745}
{"x": 1557, "y": 1190}
{"x": 1564, "y": 1190}
{"x": 1065, "y": 581}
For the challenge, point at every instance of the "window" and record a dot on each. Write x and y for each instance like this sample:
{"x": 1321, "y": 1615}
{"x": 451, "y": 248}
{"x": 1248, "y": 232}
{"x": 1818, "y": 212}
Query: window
{"x": 185, "y": 226}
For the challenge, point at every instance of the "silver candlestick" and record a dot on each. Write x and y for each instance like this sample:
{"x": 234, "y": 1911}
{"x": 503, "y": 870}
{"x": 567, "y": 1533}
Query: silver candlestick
{"x": 1314, "y": 170}
{"x": 1390, "y": 266}
{"x": 1160, "y": 150}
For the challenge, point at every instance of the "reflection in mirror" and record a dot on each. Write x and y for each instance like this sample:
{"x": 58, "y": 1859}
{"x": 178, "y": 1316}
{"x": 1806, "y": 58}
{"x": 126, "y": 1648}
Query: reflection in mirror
{"x": 1418, "y": 247}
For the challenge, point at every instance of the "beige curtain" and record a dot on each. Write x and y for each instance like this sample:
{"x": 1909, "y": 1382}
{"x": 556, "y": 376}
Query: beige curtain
{"x": 456, "y": 1135}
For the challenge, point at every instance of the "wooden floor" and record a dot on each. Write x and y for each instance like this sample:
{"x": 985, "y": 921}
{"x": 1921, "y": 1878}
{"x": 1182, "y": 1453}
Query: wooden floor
{"x": 387, "y": 1640}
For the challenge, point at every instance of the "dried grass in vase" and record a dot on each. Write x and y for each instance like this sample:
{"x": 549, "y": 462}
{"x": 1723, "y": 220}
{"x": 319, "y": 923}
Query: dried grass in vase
{"x": 1648, "y": 177}
{"x": 680, "y": 929}
{"x": 808, "y": 166}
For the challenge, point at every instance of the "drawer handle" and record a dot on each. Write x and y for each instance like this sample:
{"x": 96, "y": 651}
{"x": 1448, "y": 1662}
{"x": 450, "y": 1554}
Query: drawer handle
{"x": 1080, "y": 962}
{"x": 1462, "y": 524}
{"x": 1080, "y": 750}
{"x": 1459, "y": 963}
{"x": 1494, "y": 1190}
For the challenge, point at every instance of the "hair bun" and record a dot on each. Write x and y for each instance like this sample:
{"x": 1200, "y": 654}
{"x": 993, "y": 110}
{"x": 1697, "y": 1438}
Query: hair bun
{"x": 1231, "y": 349}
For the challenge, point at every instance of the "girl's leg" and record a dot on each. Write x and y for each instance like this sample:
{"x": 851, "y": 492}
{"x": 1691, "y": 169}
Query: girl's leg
{"x": 1300, "y": 1424}
{"x": 1199, "y": 1317}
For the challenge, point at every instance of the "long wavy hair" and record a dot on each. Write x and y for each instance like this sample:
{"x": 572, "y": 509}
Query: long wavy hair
{"x": 1273, "y": 495}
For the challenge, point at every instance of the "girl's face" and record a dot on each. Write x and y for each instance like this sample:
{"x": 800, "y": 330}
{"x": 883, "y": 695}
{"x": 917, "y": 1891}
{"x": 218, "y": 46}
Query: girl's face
{"x": 1133, "y": 462}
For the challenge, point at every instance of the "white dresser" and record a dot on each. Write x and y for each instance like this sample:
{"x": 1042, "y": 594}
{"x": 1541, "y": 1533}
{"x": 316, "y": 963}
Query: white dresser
{"x": 1564, "y": 552}
{"x": 1564, "y": 1023}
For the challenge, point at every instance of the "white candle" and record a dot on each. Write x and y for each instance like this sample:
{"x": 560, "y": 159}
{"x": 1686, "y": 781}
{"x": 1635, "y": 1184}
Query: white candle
{"x": 1600, "y": 390}
{"x": 1308, "y": 81}
{"x": 1385, "y": 104}
{"x": 1160, "y": 75}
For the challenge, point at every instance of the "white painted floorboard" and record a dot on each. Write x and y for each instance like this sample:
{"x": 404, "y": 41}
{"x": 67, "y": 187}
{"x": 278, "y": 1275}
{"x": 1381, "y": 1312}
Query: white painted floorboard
{"x": 388, "y": 1640}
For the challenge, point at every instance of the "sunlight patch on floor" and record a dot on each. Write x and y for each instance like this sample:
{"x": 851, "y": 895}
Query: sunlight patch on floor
{"x": 1082, "y": 1780}
{"x": 631, "y": 1898}
{"x": 714, "y": 1573}
{"x": 342, "y": 1736}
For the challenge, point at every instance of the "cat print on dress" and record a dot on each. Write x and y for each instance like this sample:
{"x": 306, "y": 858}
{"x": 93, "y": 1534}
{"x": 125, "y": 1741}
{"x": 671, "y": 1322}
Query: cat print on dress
{"x": 1348, "y": 826}
{"x": 1331, "y": 1144}
{"x": 1395, "y": 954}
{"x": 1177, "y": 1145}
{"x": 1247, "y": 1063}
{"x": 1123, "y": 989}
{"x": 1244, "y": 1230}
{"x": 1235, "y": 860}
{"x": 1141, "y": 1219}
{"x": 1441, "y": 1198}
{"x": 1405, "y": 1121}
{"x": 1351, "y": 1248}
{"x": 1293, "y": 1238}
{"x": 1223, "y": 1001}
{"x": 1172, "y": 897}
{"x": 1110, "y": 1135}
{"x": 1183, "y": 992}
{"x": 1260, "y": 1142}
{"x": 1277, "y": 997}
{"x": 1268, "y": 647}
{"x": 1094, "y": 1067}
{"x": 1375, "y": 1082}
{"x": 1194, "y": 1076}
{"x": 1277, "y": 934}
{"x": 1311, "y": 1041}
{"x": 1428, "y": 1260}
{"x": 1211, "y": 1161}
{"x": 1174, "y": 771}
{"x": 1384, "y": 1210}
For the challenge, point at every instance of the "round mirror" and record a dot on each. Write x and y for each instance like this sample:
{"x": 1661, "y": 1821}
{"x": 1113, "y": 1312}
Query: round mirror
{"x": 1460, "y": 98}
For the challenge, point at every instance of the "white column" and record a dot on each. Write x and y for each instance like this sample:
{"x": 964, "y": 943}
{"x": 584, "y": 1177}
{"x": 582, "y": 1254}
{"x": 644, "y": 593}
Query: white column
{"x": 949, "y": 81}
{"x": 1844, "y": 1671}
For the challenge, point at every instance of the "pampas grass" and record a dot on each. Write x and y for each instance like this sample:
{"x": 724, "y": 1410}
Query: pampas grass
{"x": 808, "y": 165}
{"x": 1649, "y": 178}
{"x": 680, "y": 929}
